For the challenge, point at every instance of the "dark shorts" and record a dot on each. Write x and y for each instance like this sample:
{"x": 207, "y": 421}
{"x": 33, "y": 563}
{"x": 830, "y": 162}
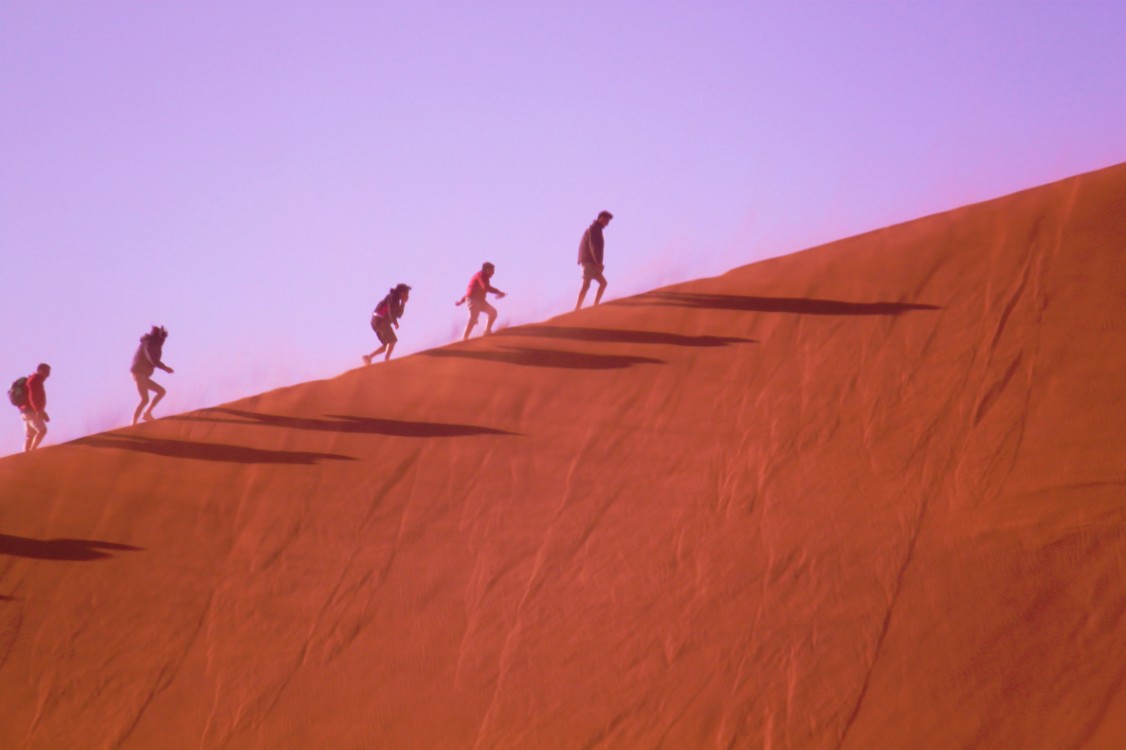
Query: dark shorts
{"x": 145, "y": 383}
{"x": 593, "y": 272}
{"x": 383, "y": 329}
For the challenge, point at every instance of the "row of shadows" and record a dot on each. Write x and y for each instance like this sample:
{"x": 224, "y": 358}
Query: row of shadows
{"x": 80, "y": 550}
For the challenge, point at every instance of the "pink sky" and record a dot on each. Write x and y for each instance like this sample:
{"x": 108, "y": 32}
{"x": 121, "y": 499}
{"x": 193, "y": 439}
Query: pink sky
{"x": 254, "y": 176}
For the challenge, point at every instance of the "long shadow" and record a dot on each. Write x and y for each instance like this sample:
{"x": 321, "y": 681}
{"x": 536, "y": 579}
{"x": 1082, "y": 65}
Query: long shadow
{"x": 340, "y": 423}
{"x": 206, "y": 451}
{"x": 547, "y": 358}
{"x": 59, "y": 549}
{"x": 615, "y": 336}
{"x": 797, "y": 305}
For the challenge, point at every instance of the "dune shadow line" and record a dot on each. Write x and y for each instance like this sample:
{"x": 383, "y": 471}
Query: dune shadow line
{"x": 526, "y": 357}
{"x": 340, "y": 423}
{"x": 796, "y": 305}
{"x": 77, "y": 550}
{"x": 618, "y": 336}
{"x": 206, "y": 451}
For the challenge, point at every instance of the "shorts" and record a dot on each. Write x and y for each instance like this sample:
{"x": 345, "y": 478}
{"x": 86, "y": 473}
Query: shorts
{"x": 593, "y": 272}
{"x": 383, "y": 330}
{"x": 478, "y": 307}
{"x": 33, "y": 424}
{"x": 145, "y": 383}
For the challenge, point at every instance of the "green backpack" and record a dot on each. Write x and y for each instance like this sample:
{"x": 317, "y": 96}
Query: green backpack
{"x": 17, "y": 394}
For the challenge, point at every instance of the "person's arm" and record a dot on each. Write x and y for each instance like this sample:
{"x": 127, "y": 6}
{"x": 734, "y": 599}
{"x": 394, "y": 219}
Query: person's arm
{"x": 156, "y": 362}
{"x": 586, "y": 247}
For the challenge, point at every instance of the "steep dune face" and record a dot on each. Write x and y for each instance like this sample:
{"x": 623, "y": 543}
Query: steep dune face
{"x": 868, "y": 495}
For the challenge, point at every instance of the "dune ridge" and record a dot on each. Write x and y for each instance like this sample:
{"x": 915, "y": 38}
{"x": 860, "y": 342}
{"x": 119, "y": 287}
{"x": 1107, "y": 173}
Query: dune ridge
{"x": 871, "y": 494}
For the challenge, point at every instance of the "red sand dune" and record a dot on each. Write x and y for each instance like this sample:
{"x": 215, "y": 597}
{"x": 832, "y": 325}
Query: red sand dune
{"x": 870, "y": 495}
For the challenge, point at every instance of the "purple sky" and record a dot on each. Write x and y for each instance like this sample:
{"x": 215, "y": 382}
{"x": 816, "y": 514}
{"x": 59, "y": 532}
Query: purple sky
{"x": 254, "y": 176}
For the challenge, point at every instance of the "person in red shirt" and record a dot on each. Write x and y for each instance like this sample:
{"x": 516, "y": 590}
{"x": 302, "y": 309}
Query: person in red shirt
{"x": 34, "y": 412}
{"x": 479, "y": 286}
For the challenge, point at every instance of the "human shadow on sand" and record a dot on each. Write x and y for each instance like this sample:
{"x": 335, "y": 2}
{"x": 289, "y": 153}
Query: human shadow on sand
{"x": 206, "y": 451}
{"x": 526, "y": 357}
{"x": 797, "y": 305}
{"x": 60, "y": 549}
{"x": 617, "y": 336}
{"x": 340, "y": 423}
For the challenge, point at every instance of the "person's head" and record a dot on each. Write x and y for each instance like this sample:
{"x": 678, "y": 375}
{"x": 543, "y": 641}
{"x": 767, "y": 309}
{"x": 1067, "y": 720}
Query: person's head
{"x": 43, "y": 370}
{"x": 402, "y": 291}
{"x": 488, "y": 269}
{"x": 604, "y": 218}
{"x": 158, "y": 333}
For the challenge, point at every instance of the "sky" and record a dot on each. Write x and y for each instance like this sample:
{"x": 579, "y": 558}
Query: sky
{"x": 255, "y": 176}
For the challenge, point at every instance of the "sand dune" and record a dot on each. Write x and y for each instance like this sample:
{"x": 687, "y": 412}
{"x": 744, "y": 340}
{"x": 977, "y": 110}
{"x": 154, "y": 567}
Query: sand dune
{"x": 870, "y": 495}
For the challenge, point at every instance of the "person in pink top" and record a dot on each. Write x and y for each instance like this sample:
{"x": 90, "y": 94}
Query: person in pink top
{"x": 475, "y": 295}
{"x": 386, "y": 315}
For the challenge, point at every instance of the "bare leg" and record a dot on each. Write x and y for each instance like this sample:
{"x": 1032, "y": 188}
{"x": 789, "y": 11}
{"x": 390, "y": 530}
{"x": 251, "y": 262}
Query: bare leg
{"x": 142, "y": 388}
{"x": 601, "y": 289}
{"x": 159, "y": 390}
{"x": 36, "y": 429}
{"x": 492, "y": 317}
{"x": 474, "y": 313}
{"x": 369, "y": 357}
{"x": 390, "y": 348}
{"x": 582, "y": 293}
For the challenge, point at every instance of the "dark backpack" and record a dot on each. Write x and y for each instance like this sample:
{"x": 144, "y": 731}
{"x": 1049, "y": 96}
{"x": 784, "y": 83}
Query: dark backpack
{"x": 17, "y": 394}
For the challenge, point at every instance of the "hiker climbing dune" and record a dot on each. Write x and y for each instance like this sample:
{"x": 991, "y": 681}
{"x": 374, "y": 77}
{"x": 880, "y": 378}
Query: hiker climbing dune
{"x": 476, "y": 295}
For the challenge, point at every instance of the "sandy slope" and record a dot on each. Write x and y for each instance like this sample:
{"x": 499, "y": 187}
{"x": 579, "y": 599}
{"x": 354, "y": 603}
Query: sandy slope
{"x": 870, "y": 495}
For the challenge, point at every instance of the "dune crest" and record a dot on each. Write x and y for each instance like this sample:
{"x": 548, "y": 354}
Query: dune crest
{"x": 868, "y": 495}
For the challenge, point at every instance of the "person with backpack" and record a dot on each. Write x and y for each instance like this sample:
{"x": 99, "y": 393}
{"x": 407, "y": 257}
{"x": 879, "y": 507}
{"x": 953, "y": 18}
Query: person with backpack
{"x": 145, "y": 361}
{"x": 590, "y": 257}
{"x": 475, "y": 295}
{"x": 385, "y": 317}
{"x": 31, "y": 397}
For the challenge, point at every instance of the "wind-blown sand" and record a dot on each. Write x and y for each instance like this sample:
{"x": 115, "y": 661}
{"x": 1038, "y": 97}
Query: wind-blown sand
{"x": 871, "y": 495}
